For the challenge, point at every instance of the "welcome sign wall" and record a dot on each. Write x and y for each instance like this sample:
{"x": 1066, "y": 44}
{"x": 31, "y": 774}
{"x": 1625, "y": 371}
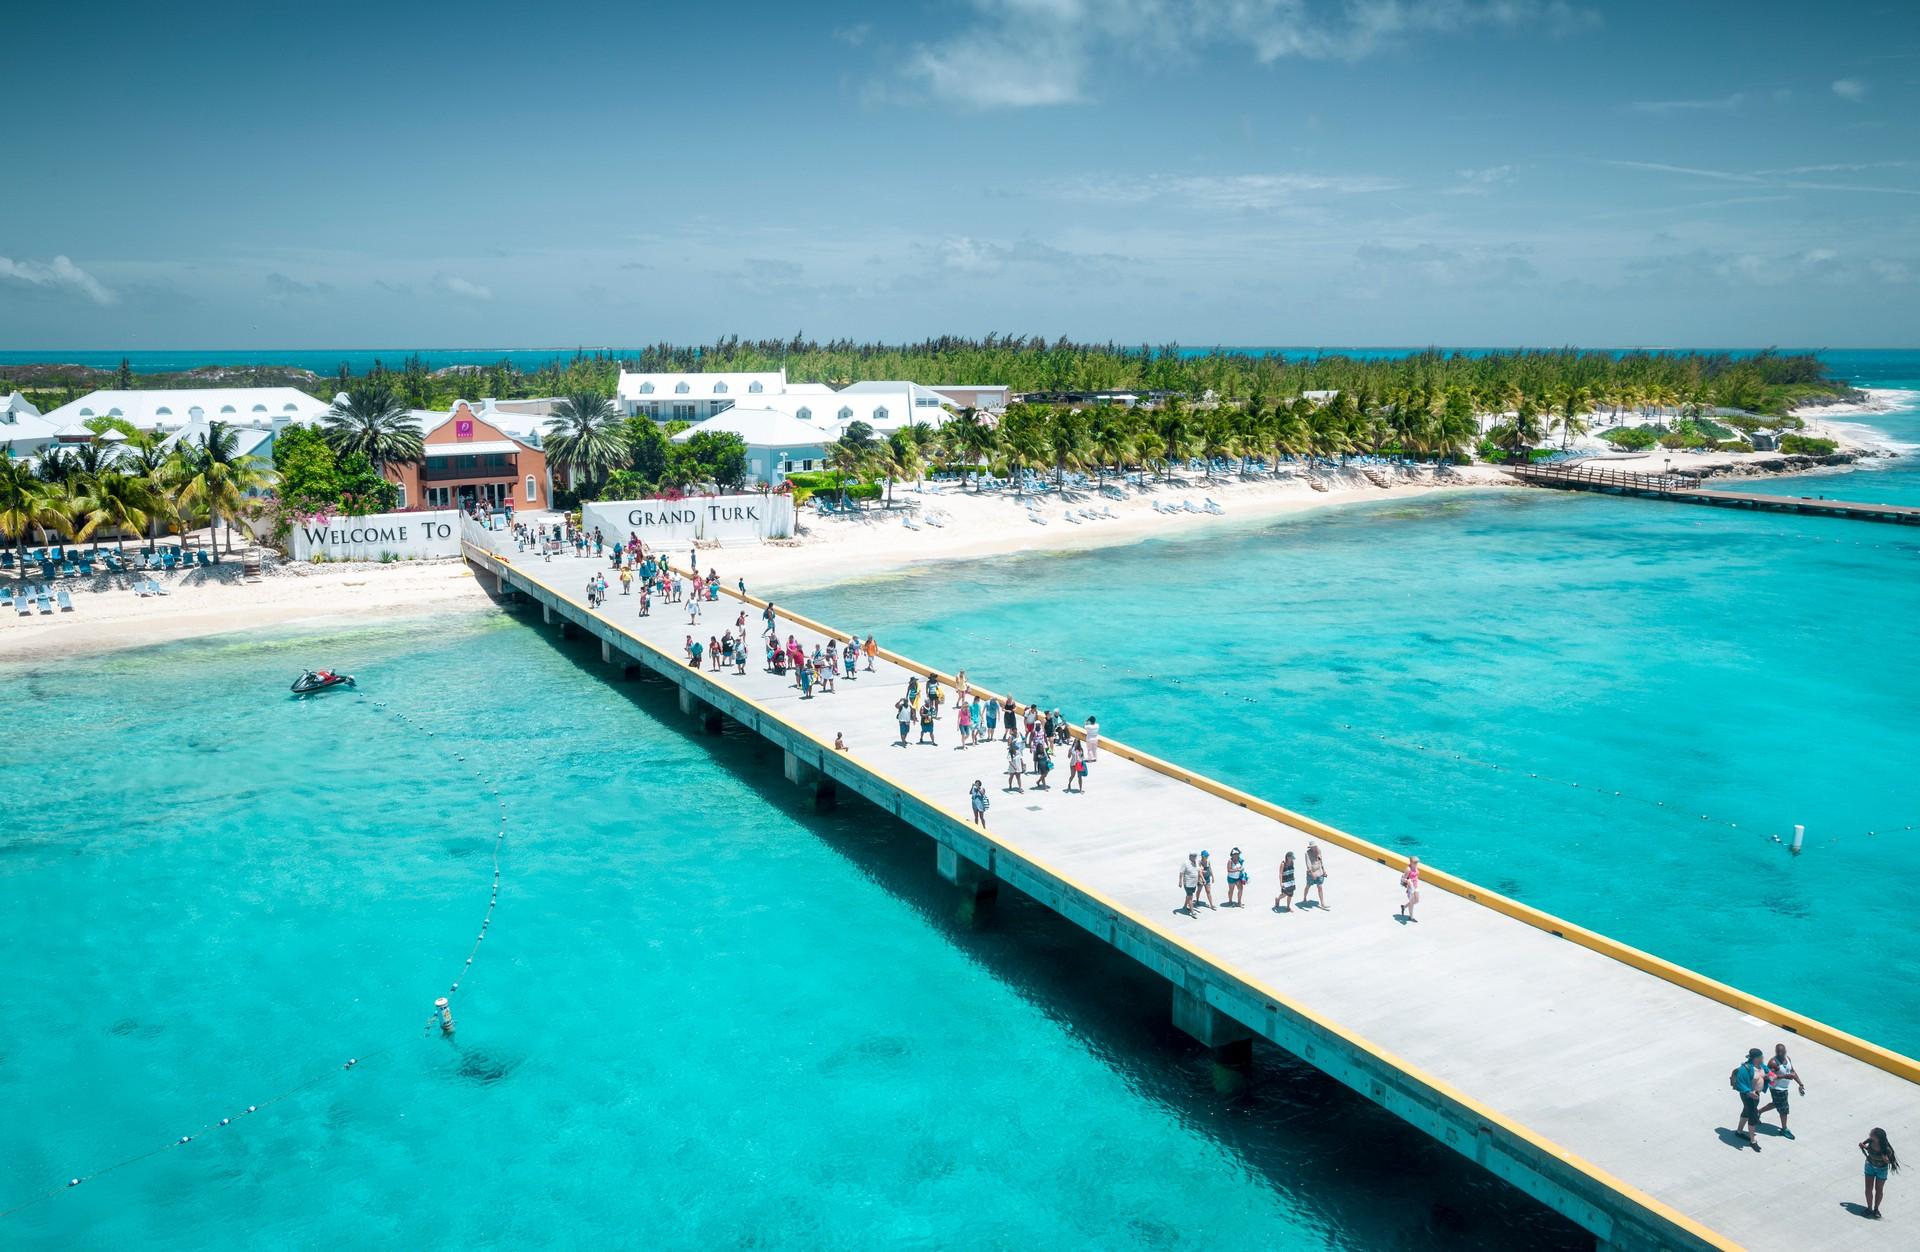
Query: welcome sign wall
{"x": 670, "y": 522}
{"x": 379, "y": 536}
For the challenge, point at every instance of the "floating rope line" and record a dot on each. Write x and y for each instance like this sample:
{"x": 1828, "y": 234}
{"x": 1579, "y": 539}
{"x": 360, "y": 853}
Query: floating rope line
{"x": 441, "y": 1014}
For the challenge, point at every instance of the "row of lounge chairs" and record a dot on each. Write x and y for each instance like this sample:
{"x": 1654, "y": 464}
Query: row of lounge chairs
{"x": 1188, "y": 506}
{"x": 27, "y": 598}
{"x": 70, "y": 563}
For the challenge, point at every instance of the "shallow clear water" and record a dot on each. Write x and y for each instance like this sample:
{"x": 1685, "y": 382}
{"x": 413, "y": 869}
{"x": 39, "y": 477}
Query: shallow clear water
{"x": 705, "y": 1015}
{"x": 1403, "y": 670}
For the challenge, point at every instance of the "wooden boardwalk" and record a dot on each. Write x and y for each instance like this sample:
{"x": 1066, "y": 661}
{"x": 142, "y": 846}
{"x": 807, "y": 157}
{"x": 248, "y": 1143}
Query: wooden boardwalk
{"x": 1590, "y": 1075}
{"x": 1687, "y": 490}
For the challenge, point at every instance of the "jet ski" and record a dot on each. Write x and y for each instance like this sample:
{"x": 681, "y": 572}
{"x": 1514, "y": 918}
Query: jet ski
{"x": 320, "y": 680}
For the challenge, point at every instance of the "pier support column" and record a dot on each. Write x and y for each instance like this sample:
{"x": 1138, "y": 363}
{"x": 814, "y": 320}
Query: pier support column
{"x": 825, "y": 794}
{"x": 629, "y": 673}
{"x": 546, "y": 614}
{"x": 972, "y": 879}
{"x": 799, "y": 772}
{"x": 693, "y": 706}
{"x": 606, "y": 652}
{"x": 1212, "y": 1028}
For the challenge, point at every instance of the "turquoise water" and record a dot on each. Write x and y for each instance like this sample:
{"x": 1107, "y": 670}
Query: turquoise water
{"x": 1400, "y": 670}
{"x": 704, "y": 1015}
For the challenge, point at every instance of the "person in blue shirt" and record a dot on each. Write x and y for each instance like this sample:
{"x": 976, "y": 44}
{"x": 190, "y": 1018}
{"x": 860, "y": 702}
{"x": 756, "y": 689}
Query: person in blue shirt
{"x": 1750, "y": 1081}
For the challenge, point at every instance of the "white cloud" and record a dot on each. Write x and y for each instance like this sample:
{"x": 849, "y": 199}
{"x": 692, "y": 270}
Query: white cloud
{"x": 1849, "y": 89}
{"x": 1715, "y": 104}
{"x": 1230, "y": 192}
{"x": 1026, "y": 53}
{"x": 456, "y": 286}
{"x": 59, "y": 274}
{"x": 1478, "y": 182}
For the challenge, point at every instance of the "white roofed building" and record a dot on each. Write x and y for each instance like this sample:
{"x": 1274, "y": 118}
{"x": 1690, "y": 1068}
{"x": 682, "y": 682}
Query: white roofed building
{"x": 167, "y": 410}
{"x": 693, "y": 397}
{"x": 777, "y": 442}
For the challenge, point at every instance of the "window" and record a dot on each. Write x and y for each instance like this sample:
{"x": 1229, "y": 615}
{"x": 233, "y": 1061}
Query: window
{"x": 805, "y": 414}
{"x": 879, "y": 412}
{"x": 720, "y": 389}
{"x": 683, "y": 412}
{"x": 259, "y": 408}
{"x": 646, "y": 389}
{"x": 755, "y": 388}
{"x": 680, "y": 388}
{"x": 807, "y": 464}
{"x": 846, "y": 415}
{"x": 227, "y": 408}
{"x": 163, "y": 411}
{"x": 401, "y": 498}
{"x": 532, "y": 494}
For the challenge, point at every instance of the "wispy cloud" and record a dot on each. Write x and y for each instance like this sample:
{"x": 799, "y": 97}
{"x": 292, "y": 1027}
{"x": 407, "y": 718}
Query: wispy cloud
{"x": 1850, "y": 89}
{"x": 1713, "y": 104}
{"x": 58, "y": 275}
{"x": 1478, "y": 182}
{"x": 1028, "y": 53}
{"x": 1764, "y": 178}
{"x": 454, "y": 285}
{"x": 1229, "y": 192}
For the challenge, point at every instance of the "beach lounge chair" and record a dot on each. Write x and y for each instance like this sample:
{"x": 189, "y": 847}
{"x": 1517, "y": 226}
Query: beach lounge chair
{"x": 66, "y": 601}
{"x": 1189, "y": 506}
{"x": 46, "y": 603}
{"x": 1036, "y": 518}
{"x": 6, "y": 597}
{"x": 155, "y": 589}
{"x": 1072, "y": 517}
{"x": 1211, "y": 507}
{"x": 23, "y": 607}
{"x": 935, "y": 518}
{"x": 168, "y": 559}
{"x": 909, "y": 523}
{"x": 200, "y": 559}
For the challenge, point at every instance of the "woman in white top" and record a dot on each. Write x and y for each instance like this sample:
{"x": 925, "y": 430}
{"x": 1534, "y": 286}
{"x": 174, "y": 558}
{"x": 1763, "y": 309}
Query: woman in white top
{"x": 1092, "y": 734}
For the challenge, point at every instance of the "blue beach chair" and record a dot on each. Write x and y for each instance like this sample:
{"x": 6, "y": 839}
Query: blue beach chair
{"x": 66, "y": 601}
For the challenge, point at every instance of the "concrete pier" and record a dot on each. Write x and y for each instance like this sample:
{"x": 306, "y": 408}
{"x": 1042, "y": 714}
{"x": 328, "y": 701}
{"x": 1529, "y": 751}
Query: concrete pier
{"x": 1588, "y": 1074}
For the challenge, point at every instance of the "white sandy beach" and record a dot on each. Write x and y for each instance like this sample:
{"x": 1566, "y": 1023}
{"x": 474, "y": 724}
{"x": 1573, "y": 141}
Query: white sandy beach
{"x": 953, "y": 524}
{"x": 108, "y": 615}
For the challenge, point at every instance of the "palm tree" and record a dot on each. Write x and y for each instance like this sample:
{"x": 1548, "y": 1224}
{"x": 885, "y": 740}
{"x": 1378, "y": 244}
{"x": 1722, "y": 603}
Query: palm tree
{"x": 971, "y": 436}
{"x": 217, "y": 479}
{"x": 371, "y": 419}
{"x": 25, "y": 502}
{"x": 1109, "y": 440}
{"x": 122, "y": 501}
{"x": 1573, "y": 403}
{"x": 851, "y": 454}
{"x": 1216, "y": 440}
{"x": 899, "y": 458}
{"x": 587, "y": 438}
{"x": 1172, "y": 433}
{"x": 1066, "y": 442}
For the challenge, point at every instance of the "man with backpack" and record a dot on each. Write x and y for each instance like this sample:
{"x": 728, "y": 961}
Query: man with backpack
{"x": 1749, "y": 1080}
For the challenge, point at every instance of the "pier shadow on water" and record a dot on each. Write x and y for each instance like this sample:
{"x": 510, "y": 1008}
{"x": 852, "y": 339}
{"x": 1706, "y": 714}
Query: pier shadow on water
{"x": 1366, "y": 1177}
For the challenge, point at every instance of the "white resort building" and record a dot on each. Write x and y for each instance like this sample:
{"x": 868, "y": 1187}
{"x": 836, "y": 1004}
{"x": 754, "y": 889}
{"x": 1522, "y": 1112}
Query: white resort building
{"x": 692, "y": 397}
{"x": 777, "y": 442}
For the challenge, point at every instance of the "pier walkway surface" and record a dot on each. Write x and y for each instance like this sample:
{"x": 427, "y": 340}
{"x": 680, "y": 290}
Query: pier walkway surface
{"x": 1592, "y": 1076}
{"x": 1686, "y": 490}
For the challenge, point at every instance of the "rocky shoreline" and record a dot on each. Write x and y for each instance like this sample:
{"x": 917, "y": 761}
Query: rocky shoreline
{"x": 1781, "y": 466}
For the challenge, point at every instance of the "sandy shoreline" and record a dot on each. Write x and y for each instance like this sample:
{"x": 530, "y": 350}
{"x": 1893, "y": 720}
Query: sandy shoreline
{"x": 953, "y": 524}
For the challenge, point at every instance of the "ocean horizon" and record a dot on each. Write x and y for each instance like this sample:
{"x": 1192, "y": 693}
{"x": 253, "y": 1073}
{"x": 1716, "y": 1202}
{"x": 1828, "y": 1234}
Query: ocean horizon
{"x": 359, "y": 360}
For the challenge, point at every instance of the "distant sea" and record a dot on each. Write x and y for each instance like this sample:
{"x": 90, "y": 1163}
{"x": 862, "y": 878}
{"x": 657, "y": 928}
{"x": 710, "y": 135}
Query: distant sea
{"x": 1846, "y": 362}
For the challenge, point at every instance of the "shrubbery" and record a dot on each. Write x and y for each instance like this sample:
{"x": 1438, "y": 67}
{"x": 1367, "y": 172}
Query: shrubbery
{"x": 1806, "y": 445}
{"x": 1631, "y": 438}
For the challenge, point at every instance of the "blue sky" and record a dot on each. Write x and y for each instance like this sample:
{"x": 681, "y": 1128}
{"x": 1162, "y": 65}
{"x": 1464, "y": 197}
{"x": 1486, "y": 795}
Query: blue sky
{"x": 1207, "y": 171}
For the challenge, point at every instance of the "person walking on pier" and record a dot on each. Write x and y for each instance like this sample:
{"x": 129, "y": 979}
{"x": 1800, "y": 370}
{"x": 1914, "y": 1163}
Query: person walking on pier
{"x": 993, "y": 719}
{"x": 1092, "y": 734}
{"x": 1206, "y": 880}
{"x": 974, "y": 714}
{"x": 1236, "y": 874}
{"x": 1283, "y": 903}
{"x": 928, "y": 711}
{"x": 872, "y": 649}
{"x": 979, "y": 798}
{"x": 1780, "y": 1075}
{"x": 1189, "y": 883}
{"x": 1077, "y": 776}
{"x": 1316, "y": 876}
{"x": 767, "y": 617}
{"x": 1881, "y": 1161}
{"x": 1016, "y": 765}
{"x": 1749, "y": 1080}
{"x": 1411, "y": 881}
{"x": 904, "y": 714}
{"x": 963, "y": 719}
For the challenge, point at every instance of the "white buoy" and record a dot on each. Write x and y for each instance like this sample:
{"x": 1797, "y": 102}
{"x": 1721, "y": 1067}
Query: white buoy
{"x": 1799, "y": 835}
{"x": 446, "y": 1015}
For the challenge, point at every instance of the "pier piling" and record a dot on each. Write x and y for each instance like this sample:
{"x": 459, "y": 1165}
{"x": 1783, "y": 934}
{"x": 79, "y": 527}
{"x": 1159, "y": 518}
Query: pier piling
{"x": 974, "y": 880}
{"x": 1193, "y": 1016}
